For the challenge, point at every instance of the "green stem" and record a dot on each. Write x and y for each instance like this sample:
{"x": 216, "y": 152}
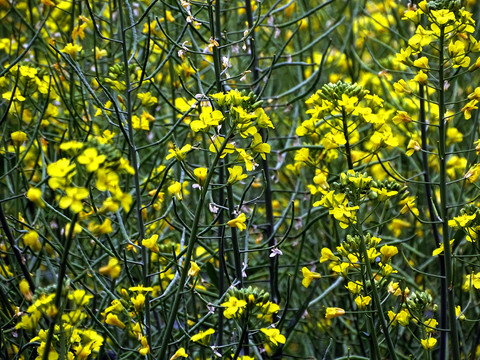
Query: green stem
{"x": 273, "y": 261}
{"x": 135, "y": 165}
{"x": 376, "y": 300}
{"x": 348, "y": 151}
{"x": 442, "y": 128}
{"x": 58, "y": 293}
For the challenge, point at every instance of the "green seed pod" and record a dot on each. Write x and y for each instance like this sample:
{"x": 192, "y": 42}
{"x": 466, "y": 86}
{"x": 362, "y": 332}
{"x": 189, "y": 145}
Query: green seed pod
{"x": 257, "y": 104}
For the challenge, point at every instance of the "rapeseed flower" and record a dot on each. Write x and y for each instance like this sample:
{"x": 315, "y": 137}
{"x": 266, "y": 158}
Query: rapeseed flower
{"x": 238, "y": 222}
{"x": 234, "y": 307}
{"x": 308, "y": 276}
{"x": 73, "y": 199}
{"x": 203, "y": 336}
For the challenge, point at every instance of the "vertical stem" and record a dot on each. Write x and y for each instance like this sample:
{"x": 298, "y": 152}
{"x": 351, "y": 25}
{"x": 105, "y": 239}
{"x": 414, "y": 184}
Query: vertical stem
{"x": 376, "y": 301}
{"x": 136, "y": 166}
{"x": 215, "y": 33}
{"x": 16, "y": 251}
{"x": 348, "y": 151}
{"x": 433, "y": 218}
{"x": 273, "y": 261}
{"x": 452, "y": 318}
{"x": 58, "y": 293}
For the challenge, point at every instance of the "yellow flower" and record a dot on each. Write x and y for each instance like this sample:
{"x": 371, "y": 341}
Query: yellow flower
{"x": 91, "y": 159}
{"x": 217, "y": 144}
{"x": 207, "y": 120}
{"x": 442, "y": 17}
{"x": 458, "y": 313}
{"x": 179, "y": 353}
{"x": 147, "y": 98}
{"x": 73, "y": 199}
{"x": 72, "y": 49}
{"x": 113, "y": 320}
{"x": 362, "y": 301}
{"x": 18, "y": 137}
{"x": 260, "y": 147}
{"x": 138, "y": 302}
{"x": 17, "y": 96}
{"x": 236, "y": 174}
{"x": 194, "y": 269}
{"x": 421, "y": 77}
{"x": 203, "y": 336}
{"x": 78, "y": 31}
{"x": 31, "y": 239}
{"x": 274, "y": 336}
{"x": 383, "y": 194}
{"x": 308, "y": 276}
{"x": 403, "y": 317}
{"x": 176, "y": 190}
{"x": 354, "y": 288}
{"x": 327, "y": 255}
{"x": 238, "y": 222}
{"x": 440, "y": 249}
{"x": 27, "y": 71}
{"x": 468, "y": 108}
{"x": 234, "y": 307}
{"x": 80, "y": 297}
{"x": 60, "y": 173}
{"x": 112, "y": 269}
{"x": 151, "y": 243}
{"x": 401, "y": 117}
{"x": 428, "y": 344}
{"x": 422, "y": 63}
{"x": 430, "y": 323}
{"x": 263, "y": 120}
{"x": 35, "y": 196}
{"x": 413, "y": 146}
{"x": 144, "y": 349}
{"x": 99, "y": 229}
{"x": 461, "y": 221}
{"x": 25, "y": 290}
{"x": 201, "y": 174}
{"x": 179, "y": 154}
{"x": 333, "y": 312}
{"x": 388, "y": 251}
{"x": 99, "y": 53}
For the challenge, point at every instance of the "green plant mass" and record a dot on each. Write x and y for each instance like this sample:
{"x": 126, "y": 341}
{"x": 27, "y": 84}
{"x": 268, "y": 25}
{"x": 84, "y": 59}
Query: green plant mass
{"x": 259, "y": 179}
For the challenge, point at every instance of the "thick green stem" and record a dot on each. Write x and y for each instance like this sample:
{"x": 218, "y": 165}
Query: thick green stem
{"x": 442, "y": 128}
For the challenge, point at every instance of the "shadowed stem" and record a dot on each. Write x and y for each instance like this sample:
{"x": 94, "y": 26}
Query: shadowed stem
{"x": 442, "y": 128}
{"x": 433, "y": 218}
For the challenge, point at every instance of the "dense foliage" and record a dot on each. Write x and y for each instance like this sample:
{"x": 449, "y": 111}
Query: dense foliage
{"x": 209, "y": 179}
